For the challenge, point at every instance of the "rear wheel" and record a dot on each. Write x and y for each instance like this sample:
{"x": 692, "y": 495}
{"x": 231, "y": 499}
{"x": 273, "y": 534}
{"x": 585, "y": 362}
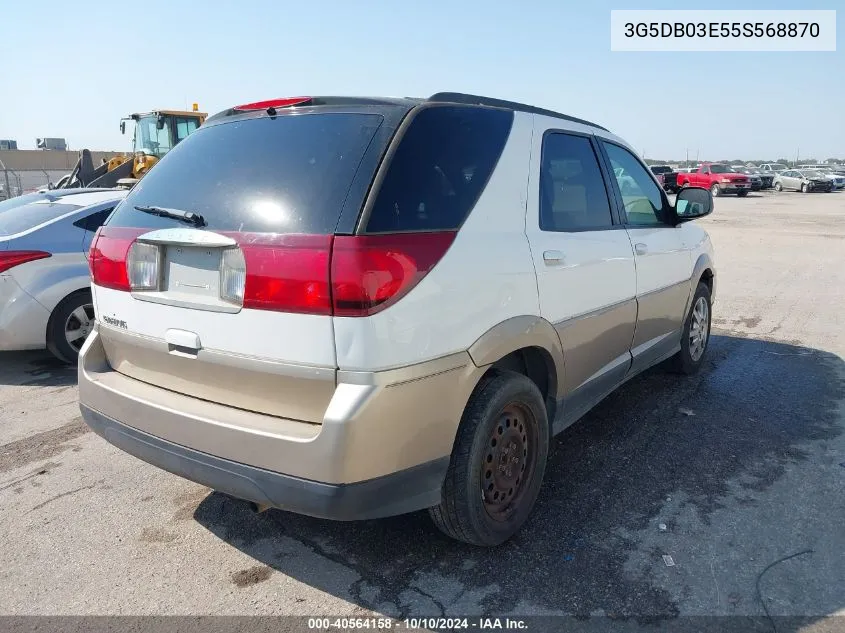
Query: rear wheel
{"x": 497, "y": 462}
{"x": 716, "y": 190}
{"x": 69, "y": 326}
{"x": 696, "y": 334}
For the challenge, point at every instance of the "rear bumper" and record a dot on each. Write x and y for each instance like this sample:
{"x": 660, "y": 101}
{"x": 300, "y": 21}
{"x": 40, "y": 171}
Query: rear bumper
{"x": 381, "y": 432}
{"x": 404, "y": 491}
{"x": 23, "y": 321}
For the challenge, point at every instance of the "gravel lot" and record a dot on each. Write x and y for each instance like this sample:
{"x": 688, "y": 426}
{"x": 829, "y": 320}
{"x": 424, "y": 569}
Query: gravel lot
{"x": 725, "y": 472}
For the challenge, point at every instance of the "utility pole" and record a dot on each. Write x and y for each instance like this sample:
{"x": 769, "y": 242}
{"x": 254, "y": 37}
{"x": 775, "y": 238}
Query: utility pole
{"x": 797, "y": 153}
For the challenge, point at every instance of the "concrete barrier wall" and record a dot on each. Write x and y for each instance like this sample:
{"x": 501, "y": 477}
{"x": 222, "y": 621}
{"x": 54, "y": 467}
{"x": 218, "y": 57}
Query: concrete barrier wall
{"x": 34, "y": 159}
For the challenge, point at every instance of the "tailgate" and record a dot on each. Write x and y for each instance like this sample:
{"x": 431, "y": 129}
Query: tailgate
{"x": 268, "y": 362}
{"x": 229, "y": 240}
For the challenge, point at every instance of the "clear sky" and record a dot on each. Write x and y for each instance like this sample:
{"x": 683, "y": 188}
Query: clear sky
{"x": 71, "y": 71}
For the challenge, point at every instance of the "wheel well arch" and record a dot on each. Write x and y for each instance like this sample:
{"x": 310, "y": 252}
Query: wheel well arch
{"x": 706, "y": 278}
{"x": 536, "y": 364}
{"x": 526, "y": 344}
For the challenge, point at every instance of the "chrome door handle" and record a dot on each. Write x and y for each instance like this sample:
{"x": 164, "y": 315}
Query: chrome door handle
{"x": 640, "y": 248}
{"x": 552, "y": 257}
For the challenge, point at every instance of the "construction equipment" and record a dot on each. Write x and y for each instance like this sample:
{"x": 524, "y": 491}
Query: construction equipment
{"x": 156, "y": 133}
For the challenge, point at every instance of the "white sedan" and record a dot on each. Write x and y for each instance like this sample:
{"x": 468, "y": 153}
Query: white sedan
{"x": 45, "y": 294}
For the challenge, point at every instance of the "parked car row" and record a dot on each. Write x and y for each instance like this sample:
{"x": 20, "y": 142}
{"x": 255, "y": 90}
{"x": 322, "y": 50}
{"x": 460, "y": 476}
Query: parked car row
{"x": 722, "y": 178}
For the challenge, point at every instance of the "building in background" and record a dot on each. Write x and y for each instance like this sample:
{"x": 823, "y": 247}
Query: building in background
{"x": 51, "y": 143}
{"x": 6, "y": 144}
{"x": 26, "y": 170}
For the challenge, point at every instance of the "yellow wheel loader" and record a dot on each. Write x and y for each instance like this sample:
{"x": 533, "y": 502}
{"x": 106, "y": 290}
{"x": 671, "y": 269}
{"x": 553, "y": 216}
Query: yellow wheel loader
{"x": 155, "y": 134}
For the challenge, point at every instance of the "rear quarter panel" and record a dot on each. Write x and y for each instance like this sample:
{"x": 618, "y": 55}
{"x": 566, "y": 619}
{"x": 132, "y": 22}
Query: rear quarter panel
{"x": 52, "y": 279}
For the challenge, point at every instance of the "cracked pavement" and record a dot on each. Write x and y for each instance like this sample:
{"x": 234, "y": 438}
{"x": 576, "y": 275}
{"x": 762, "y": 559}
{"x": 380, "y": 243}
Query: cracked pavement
{"x": 724, "y": 472}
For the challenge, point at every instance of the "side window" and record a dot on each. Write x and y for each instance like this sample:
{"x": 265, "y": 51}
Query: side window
{"x": 641, "y": 196}
{"x": 184, "y": 127}
{"x": 440, "y": 168}
{"x": 572, "y": 191}
{"x": 93, "y": 221}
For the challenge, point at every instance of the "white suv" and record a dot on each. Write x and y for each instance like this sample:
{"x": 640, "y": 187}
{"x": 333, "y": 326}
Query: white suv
{"x": 355, "y": 308}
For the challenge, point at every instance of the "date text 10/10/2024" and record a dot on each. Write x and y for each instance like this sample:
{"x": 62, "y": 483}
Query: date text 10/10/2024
{"x": 409, "y": 624}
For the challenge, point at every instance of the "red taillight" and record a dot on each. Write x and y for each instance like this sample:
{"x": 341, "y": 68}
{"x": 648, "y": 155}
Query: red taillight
{"x": 343, "y": 276}
{"x": 272, "y": 103}
{"x": 288, "y": 273}
{"x": 10, "y": 259}
{"x": 371, "y": 272}
{"x": 107, "y": 257}
{"x": 353, "y": 276}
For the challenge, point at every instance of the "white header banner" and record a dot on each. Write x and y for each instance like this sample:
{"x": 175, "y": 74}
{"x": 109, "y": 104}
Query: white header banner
{"x": 722, "y": 30}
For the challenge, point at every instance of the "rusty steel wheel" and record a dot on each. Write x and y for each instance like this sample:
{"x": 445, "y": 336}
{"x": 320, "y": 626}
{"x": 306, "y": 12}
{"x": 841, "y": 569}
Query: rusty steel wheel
{"x": 510, "y": 461}
{"x": 497, "y": 462}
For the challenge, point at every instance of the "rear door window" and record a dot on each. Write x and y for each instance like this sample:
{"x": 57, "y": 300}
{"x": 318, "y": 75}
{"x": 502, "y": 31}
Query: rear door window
{"x": 440, "y": 168}
{"x": 283, "y": 174}
{"x": 94, "y": 220}
{"x": 572, "y": 192}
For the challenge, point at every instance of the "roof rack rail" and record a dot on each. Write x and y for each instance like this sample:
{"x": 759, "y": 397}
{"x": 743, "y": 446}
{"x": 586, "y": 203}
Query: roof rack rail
{"x": 459, "y": 97}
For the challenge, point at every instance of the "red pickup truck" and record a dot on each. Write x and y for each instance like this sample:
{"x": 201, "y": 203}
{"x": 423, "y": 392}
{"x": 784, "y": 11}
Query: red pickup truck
{"x": 718, "y": 178}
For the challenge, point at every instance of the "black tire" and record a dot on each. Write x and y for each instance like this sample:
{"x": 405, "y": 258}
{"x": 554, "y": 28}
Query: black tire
{"x": 805, "y": 188}
{"x": 778, "y": 186}
{"x": 466, "y": 511}
{"x": 741, "y": 194}
{"x": 684, "y": 361}
{"x": 57, "y": 341}
{"x": 715, "y": 190}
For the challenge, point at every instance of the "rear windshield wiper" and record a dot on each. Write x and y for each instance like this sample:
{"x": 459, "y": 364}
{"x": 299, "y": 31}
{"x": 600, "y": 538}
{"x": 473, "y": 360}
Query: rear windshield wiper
{"x": 177, "y": 214}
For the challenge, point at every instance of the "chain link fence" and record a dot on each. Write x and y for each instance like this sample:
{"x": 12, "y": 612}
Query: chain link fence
{"x": 16, "y": 183}
{"x": 10, "y": 184}
{"x": 25, "y": 171}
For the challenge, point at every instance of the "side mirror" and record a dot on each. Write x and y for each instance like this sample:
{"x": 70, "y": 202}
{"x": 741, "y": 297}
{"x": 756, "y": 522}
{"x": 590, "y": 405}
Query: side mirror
{"x": 123, "y": 127}
{"x": 160, "y": 122}
{"x": 692, "y": 203}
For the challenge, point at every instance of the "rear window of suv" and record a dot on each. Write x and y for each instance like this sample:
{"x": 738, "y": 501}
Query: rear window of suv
{"x": 439, "y": 169}
{"x": 283, "y": 174}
